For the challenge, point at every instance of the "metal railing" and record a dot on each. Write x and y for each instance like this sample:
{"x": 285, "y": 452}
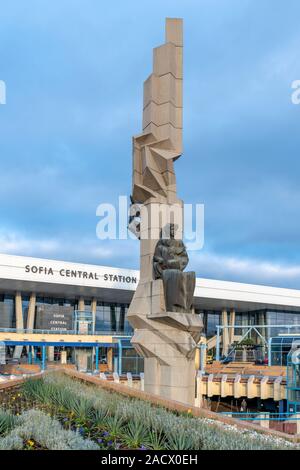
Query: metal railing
{"x": 261, "y": 416}
{"x": 249, "y": 329}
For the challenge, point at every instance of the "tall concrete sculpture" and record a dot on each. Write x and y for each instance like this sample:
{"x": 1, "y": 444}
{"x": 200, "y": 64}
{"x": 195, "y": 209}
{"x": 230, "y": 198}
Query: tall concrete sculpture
{"x": 166, "y": 329}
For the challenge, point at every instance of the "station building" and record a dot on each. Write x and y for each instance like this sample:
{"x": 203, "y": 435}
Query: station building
{"x": 50, "y": 310}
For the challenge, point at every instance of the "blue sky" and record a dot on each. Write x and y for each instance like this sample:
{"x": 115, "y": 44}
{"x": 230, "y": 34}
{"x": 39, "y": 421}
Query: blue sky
{"x": 74, "y": 72}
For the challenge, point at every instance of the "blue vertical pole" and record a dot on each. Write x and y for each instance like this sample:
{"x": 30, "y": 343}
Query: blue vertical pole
{"x": 281, "y": 406}
{"x": 97, "y": 359}
{"x": 43, "y": 357}
{"x": 30, "y": 355}
{"x": 120, "y": 354}
{"x": 218, "y": 344}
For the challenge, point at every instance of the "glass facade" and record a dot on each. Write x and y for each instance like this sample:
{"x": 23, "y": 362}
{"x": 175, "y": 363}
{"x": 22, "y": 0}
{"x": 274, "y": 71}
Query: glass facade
{"x": 280, "y": 349}
{"x": 25, "y": 304}
{"x": 112, "y": 317}
{"x": 282, "y": 318}
{"x": 131, "y": 361}
{"x": 7, "y": 311}
{"x": 293, "y": 379}
{"x": 267, "y": 318}
{"x": 210, "y": 320}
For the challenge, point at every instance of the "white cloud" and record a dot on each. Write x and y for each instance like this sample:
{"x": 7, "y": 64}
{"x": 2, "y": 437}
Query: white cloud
{"x": 124, "y": 253}
{"x": 85, "y": 250}
{"x": 13, "y": 243}
{"x": 246, "y": 270}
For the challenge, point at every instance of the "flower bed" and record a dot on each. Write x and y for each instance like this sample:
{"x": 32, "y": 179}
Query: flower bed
{"x": 35, "y": 430}
{"x": 100, "y": 419}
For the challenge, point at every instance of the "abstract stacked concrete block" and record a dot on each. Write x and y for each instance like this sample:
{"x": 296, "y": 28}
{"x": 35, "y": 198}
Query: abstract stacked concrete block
{"x": 155, "y": 150}
{"x": 166, "y": 340}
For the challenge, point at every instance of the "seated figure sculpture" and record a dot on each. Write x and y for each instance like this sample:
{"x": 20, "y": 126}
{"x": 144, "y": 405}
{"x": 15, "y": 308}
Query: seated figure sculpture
{"x": 169, "y": 260}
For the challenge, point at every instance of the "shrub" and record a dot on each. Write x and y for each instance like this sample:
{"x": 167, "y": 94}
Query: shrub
{"x": 7, "y": 422}
{"x": 48, "y": 432}
{"x": 137, "y": 422}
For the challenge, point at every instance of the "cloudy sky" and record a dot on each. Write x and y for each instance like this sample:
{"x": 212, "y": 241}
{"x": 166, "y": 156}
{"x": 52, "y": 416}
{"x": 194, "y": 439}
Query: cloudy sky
{"x": 74, "y": 71}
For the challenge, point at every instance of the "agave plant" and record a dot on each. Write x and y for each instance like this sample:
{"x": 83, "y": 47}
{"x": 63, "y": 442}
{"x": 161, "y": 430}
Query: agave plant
{"x": 82, "y": 408}
{"x": 135, "y": 422}
{"x": 64, "y": 399}
{"x": 114, "y": 426}
{"x": 181, "y": 441}
{"x": 7, "y": 422}
{"x": 32, "y": 388}
{"x": 99, "y": 417}
{"x": 156, "y": 440}
{"x": 135, "y": 435}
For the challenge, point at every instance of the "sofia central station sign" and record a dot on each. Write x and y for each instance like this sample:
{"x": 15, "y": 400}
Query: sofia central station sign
{"x": 52, "y": 271}
{"x": 62, "y": 272}
{"x": 75, "y": 273}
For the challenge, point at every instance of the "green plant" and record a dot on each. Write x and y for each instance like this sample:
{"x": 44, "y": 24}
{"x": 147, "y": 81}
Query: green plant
{"x": 81, "y": 407}
{"x": 114, "y": 426}
{"x": 180, "y": 440}
{"x": 111, "y": 419}
{"x": 98, "y": 417}
{"x": 11, "y": 442}
{"x": 7, "y": 422}
{"x": 156, "y": 440}
{"x": 36, "y": 426}
{"x": 135, "y": 434}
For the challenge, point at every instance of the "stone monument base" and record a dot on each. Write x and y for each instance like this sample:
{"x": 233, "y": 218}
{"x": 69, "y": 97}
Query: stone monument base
{"x": 167, "y": 341}
{"x": 173, "y": 383}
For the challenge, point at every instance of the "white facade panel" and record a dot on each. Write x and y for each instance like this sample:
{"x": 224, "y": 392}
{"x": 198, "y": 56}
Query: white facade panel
{"x": 84, "y": 279}
{"x": 61, "y": 272}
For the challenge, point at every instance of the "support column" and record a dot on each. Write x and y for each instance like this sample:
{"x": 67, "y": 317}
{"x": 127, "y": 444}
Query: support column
{"x": 81, "y": 326}
{"x": 116, "y": 364}
{"x": 218, "y": 344}
{"x": 198, "y": 357}
{"x": 31, "y": 312}
{"x": 63, "y": 357}
{"x": 94, "y": 310}
{"x": 198, "y": 400}
{"x": 203, "y": 354}
{"x": 31, "y": 315}
{"x": 225, "y": 333}
{"x": 264, "y": 420}
{"x": 50, "y": 353}
{"x": 231, "y": 323}
{"x": 110, "y": 359}
{"x": 81, "y": 305}
{"x": 19, "y": 322}
{"x": 19, "y": 311}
